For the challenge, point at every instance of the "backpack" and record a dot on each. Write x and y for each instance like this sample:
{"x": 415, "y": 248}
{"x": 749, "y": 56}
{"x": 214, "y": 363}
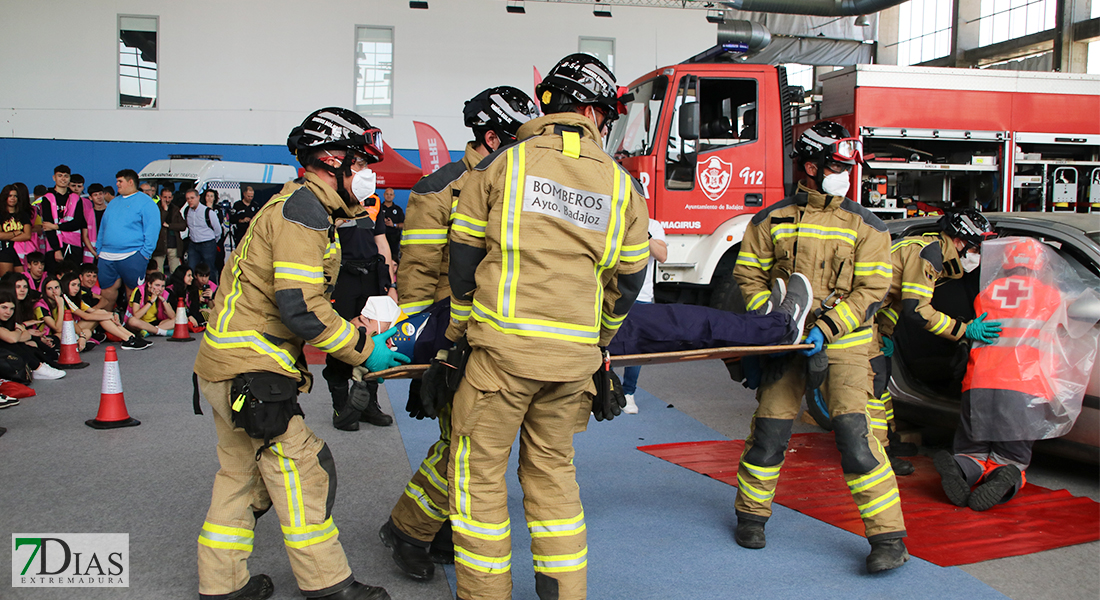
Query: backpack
{"x": 208, "y": 211}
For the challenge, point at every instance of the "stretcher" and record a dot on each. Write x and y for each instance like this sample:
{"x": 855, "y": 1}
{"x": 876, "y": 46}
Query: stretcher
{"x": 628, "y": 360}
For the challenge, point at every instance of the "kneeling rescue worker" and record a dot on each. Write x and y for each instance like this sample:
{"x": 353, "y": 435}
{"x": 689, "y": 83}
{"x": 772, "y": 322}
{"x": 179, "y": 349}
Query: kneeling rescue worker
{"x": 549, "y": 259}
{"x": 844, "y": 251}
{"x": 273, "y": 299}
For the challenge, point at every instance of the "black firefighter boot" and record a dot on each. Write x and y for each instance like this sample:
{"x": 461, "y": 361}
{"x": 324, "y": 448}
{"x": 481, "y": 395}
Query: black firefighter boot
{"x": 357, "y": 591}
{"x": 998, "y": 487}
{"x": 344, "y": 417}
{"x": 886, "y": 555}
{"x": 412, "y": 559}
{"x": 373, "y": 413}
{"x": 259, "y": 587}
{"x": 749, "y": 532}
{"x": 442, "y": 549}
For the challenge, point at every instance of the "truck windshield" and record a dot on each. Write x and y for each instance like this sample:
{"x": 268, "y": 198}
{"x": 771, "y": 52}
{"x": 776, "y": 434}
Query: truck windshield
{"x": 633, "y": 134}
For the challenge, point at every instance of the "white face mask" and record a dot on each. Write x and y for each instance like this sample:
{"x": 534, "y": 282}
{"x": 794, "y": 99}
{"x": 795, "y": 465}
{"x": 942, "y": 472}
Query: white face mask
{"x": 970, "y": 261}
{"x": 836, "y": 184}
{"x": 363, "y": 184}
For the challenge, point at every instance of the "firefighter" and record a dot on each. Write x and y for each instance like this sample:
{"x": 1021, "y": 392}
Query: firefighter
{"x": 919, "y": 262}
{"x": 548, "y": 250}
{"x": 1008, "y": 381}
{"x": 250, "y": 367}
{"x": 844, "y": 251}
{"x": 418, "y": 530}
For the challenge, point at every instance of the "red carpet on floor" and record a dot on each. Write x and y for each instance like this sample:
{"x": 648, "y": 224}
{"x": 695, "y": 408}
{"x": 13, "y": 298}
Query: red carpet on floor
{"x": 811, "y": 483}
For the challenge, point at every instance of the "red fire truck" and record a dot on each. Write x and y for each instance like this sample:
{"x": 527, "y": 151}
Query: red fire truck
{"x": 709, "y": 140}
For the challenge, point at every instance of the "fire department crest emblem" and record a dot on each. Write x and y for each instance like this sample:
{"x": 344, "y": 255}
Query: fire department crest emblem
{"x": 715, "y": 176}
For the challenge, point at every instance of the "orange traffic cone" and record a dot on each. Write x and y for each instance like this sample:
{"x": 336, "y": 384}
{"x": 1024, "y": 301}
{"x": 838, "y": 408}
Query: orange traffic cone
{"x": 112, "y": 406}
{"x": 70, "y": 356}
{"x": 181, "y": 333}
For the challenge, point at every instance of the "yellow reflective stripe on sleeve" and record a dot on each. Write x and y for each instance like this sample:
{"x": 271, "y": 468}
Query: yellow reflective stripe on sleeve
{"x": 762, "y": 473}
{"x": 417, "y": 494}
{"x": 459, "y": 313}
{"x": 561, "y": 563}
{"x": 411, "y": 308}
{"x": 882, "y": 473}
{"x": 307, "y": 535}
{"x": 915, "y": 288}
{"x": 611, "y": 322}
{"x": 890, "y": 314}
{"x": 942, "y": 323}
{"x": 468, "y": 224}
{"x": 904, "y": 243}
{"x": 557, "y": 527}
{"x": 759, "y": 300}
{"x": 635, "y": 253}
{"x": 298, "y": 272}
{"x": 866, "y": 269}
{"x": 879, "y": 504}
{"x": 571, "y": 144}
{"x": 412, "y": 237}
{"x": 226, "y": 538}
{"x": 509, "y": 231}
{"x": 333, "y": 248}
{"x": 337, "y": 340}
{"x": 752, "y": 492}
{"x": 253, "y": 340}
{"x": 856, "y": 338}
{"x": 845, "y": 313}
{"x": 292, "y": 481}
{"x": 485, "y": 564}
{"x": 536, "y": 327}
{"x": 749, "y": 259}
{"x": 481, "y": 530}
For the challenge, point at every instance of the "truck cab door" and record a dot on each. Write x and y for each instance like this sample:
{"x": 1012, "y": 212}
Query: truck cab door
{"x": 713, "y": 178}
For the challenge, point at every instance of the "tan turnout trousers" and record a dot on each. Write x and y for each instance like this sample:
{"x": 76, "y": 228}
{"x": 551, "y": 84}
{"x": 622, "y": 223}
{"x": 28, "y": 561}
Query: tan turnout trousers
{"x": 298, "y": 477}
{"x": 866, "y": 468}
{"x": 421, "y": 511}
{"x": 490, "y": 407}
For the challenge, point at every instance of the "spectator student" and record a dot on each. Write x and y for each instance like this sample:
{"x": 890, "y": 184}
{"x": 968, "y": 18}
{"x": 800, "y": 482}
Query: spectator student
{"x": 204, "y": 229}
{"x": 127, "y": 238}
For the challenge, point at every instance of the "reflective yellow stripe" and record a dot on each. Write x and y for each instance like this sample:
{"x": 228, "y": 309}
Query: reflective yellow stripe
{"x": 338, "y": 340}
{"x": 751, "y": 260}
{"x": 752, "y": 492}
{"x": 292, "y": 481}
{"x": 635, "y": 253}
{"x": 821, "y": 232}
{"x": 941, "y": 324}
{"x": 509, "y": 231}
{"x": 468, "y": 224}
{"x": 845, "y": 312}
{"x": 418, "y": 495}
{"x": 332, "y": 249}
{"x": 890, "y": 314}
{"x": 920, "y": 290}
{"x": 226, "y": 538}
{"x": 430, "y": 467}
{"x": 561, "y": 563}
{"x": 571, "y": 144}
{"x": 759, "y": 300}
{"x": 871, "y": 479}
{"x": 485, "y": 564}
{"x": 235, "y": 289}
{"x": 480, "y": 529}
{"x": 298, "y": 272}
{"x": 613, "y": 239}
{"x": 308, "y": 535}
{"x": 557, "y": 527}
{"x": 864, "y": 269}
{"x": 860, "y": 336}
{"x": 879, "y": 504}
{"x": 907, "y": 242}
{"x": 537, "y": 327}
{"x": 762, "y": 473}
{"x": 411, "y": 308}
{"x": 252, "y": 340}
{"x": 461, "y": 451}
{"x": 412, "y": 237}
{"x": 459, "y": 313}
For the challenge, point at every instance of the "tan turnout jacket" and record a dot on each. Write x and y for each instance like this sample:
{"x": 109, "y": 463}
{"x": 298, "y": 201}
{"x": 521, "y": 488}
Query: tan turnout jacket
{"x": 549, "y": 245}
{"x": 919, "y": 261}
{"x": 275, "y": 292}
{"x": 425, "y": 260}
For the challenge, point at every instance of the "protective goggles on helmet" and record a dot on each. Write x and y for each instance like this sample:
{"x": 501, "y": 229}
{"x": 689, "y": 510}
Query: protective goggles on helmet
{"x": 847, "y": 150}
{"x": 372, "y": 144}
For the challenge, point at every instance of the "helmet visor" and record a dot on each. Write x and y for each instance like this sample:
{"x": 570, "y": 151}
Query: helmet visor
{"x": 372, "y": 144}
{"x": 847, "y": 150}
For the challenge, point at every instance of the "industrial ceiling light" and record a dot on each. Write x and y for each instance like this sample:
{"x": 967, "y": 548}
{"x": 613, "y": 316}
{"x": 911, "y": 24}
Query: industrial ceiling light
{"x": 516, "y": 7}
{"x": 601, "y": 10}
{"x": 715, "y": 16}
{"x": 422, "y": 4}
{"x": 861, "y": 21}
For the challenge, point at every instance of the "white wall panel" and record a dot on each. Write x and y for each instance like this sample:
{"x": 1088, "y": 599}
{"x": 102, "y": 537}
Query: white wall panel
{"x": 246, "y": 71}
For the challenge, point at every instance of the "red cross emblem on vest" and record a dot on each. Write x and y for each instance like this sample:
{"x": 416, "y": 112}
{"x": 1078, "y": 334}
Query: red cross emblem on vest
{"x": 1011, "y": 293}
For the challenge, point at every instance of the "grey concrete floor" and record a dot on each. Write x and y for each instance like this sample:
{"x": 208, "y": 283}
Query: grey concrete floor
{"x": 704, "y": 391}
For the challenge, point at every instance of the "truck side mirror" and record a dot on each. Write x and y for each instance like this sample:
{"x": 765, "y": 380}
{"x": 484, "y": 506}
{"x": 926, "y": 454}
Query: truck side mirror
{"x": 689, "y": 121}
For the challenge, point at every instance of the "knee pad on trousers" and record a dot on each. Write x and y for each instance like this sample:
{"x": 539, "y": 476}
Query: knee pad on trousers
{"x": 769, "y": 442}
{"x": 324, "y": 457}
{"x": 878, "y": 369}
{"x": 852, "y": 441}
{"x": 546, "y": 587}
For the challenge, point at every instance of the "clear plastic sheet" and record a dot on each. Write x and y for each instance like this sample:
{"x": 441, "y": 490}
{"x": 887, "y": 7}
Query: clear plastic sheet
{"x": 1030, "y": 383}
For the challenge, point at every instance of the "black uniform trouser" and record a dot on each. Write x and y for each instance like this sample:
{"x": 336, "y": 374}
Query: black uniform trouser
{"x": 353, "y": 286}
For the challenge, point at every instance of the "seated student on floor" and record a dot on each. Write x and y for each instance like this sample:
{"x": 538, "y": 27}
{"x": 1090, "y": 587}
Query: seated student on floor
{"x": 206, "y": 288}
{"x": 150, "y": 313}
{"x": 36, "y": 274}
{"x": 23, "y": 342}
{"x": 51, "y": 310}
{"x": 89, "y": 284}
{"x": 183, "y": 285}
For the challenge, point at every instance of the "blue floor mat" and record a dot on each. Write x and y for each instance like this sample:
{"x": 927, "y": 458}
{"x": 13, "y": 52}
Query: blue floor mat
{"x": 659, "y": 531}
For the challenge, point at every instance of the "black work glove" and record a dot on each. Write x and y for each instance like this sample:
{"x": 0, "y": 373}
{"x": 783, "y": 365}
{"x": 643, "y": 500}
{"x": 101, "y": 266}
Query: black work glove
{"x": 817, "y": 369}
{"x": 610, "y": 399}
{"x": 414, "y": 406}
{"x": 360, "y": 395}
{"x": 440, "y": 381}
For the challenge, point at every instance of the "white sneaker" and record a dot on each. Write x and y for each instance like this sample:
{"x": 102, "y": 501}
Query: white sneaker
{"x": 45, "y": 371}
{"x": 630, "y": 408}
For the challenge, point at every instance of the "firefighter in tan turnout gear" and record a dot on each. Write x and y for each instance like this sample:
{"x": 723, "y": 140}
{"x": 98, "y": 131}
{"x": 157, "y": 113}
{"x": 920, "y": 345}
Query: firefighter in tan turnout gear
{"x": 273, "y": 299}
{"x": 418, "y": 529}
{"x": 548, "y": 251}
{"x": 844, "y": 251}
